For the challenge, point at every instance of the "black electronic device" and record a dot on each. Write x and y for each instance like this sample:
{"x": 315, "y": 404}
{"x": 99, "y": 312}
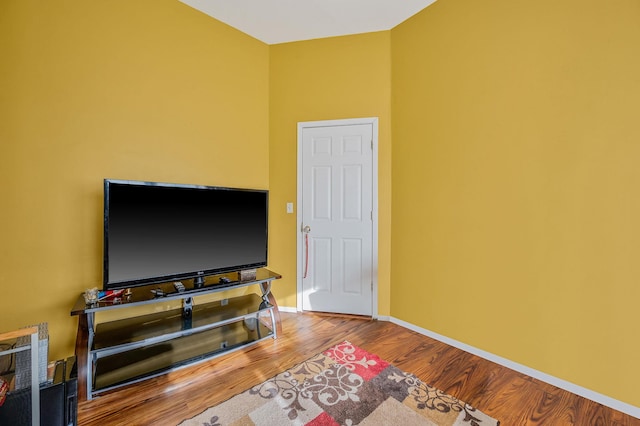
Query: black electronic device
{"x": 159, "y": 232}
{"x": 58, "y": 400}
{"x": 157, "y": 292}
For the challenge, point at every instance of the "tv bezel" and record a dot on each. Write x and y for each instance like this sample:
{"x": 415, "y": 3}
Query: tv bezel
{"x": 198, "y": 275}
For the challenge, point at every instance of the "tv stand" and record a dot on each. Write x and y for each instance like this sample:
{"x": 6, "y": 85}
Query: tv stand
{"x": 116, "y": 353}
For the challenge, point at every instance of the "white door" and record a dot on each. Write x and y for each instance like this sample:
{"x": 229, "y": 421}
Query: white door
{"x": 337, "y": 209}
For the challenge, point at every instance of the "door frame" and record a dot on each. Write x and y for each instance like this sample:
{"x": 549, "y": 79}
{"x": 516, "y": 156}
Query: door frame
{"x": 373, "y": 121}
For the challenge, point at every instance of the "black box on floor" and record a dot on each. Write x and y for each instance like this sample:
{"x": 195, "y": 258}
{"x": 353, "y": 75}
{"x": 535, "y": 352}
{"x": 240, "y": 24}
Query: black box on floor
{"x": 71, "y": 392}
{"x": 58, "y": 400}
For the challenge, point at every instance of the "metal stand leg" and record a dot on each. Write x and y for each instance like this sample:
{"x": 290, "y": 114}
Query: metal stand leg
{"x": 267, "y": 296}
{"x": 35, "y": 381}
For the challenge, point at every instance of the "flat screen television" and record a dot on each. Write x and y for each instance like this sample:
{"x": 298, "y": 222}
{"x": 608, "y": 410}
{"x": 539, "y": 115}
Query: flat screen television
{"x": 157, "y": 232}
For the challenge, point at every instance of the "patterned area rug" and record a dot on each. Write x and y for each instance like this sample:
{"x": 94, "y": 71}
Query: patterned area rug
{"x": 344, "y": 385}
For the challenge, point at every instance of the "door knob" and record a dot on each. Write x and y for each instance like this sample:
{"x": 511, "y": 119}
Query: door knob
{"x": 306, "y": 229}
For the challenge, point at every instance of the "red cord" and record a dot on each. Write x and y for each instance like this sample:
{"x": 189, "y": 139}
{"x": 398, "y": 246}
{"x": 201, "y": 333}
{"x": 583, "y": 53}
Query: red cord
{"x": 306, "y": 253}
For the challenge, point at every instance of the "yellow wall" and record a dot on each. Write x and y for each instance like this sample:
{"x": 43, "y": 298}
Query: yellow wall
{"x": 144, "y": 89}
{"x": 333, "y": 78}
{"x": 515, "y": 183}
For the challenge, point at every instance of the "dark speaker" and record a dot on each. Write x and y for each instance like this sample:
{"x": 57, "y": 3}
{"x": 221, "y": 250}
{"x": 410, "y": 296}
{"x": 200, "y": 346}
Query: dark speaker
{"x": 71, "y": 392}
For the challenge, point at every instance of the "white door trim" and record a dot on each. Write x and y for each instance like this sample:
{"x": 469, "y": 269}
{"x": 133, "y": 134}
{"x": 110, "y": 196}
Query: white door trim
{"x": 299, "y": 245}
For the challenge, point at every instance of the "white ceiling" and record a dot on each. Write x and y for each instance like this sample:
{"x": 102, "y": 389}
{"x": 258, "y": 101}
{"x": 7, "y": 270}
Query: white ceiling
{"x": 282, "y": 21}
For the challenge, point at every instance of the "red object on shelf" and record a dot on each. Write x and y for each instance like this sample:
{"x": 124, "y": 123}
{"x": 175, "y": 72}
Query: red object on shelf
{"x": 4, "y": 388}
{"x": 109, "y": 294}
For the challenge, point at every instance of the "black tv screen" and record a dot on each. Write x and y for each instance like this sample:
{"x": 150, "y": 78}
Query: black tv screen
{"x": 156, "y": 232}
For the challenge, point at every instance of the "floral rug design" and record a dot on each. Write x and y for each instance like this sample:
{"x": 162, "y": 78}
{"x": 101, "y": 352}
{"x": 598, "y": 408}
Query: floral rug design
{"x": 344, "y": 385}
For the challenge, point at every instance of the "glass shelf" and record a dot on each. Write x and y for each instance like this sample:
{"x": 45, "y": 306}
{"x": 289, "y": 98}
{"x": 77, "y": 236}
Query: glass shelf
{"x": 142, "y": 295}
{"x": 126, "y": 334}
{"x": 149, "y": 361}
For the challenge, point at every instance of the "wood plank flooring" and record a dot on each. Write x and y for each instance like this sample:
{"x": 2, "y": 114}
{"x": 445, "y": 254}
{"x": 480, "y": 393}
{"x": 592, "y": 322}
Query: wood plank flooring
{"x": 511, "y": 397}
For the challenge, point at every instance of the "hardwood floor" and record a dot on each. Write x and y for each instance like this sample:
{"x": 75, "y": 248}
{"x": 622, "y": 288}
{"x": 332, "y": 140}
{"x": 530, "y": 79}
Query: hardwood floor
{"x": 511, "y": 397}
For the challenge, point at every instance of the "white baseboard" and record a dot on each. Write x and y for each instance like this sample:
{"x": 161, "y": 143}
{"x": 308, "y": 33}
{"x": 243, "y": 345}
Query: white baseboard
{"x": 562, "y": 384}
{"x": 287, "y": 309}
